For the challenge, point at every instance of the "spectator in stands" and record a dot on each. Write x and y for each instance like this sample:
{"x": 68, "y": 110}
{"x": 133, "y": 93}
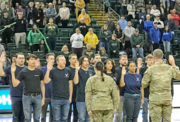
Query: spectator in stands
{"x": 128, "y": 32}
{"x": 20, "y": 30}
{"x": 170, "y": 23}
{"x": 119, "y": 36}
{"x": 44, "y": 8}
{"x": 114, "y": 47}
{"x": 79, "y": 4}
{"x": 72, "y": 3}
{"x": 86, "y": 17}
{"x": 50, "y": 32}
{"x": 122, "y": 22}
{"x": 137, "y": 43}
{"x": 55, "y": 6}
{"x": 163, "y": 12}
{"x": 4, "y": 22}
{"x": 105, "y": 37}
{"x": 139, "y": 4}
{"x": 155, "y": 11}
{"x": 77, "y": 43}
{"x": 2, "y": 49}
{"x": 88, "y": 52}
{"x": 160, "y": 24}
{"x": 166, "y": 38}
{"x": 131, "y": 10}
{"x": 38, "y": 15}
{"x": 35, "y": 39}
{"x": 134, "y": 93}
{"x": 87, "y": 2}
{"x": 107, "y": 5}
{"x": 82, "y": 26}
{"x": 9, "y": 9}
{"x": 29, "y": 14}
{"x": 50, "y": 12}
{"x": 111, "y": 25}
{"x": 104, "y": 56}
{"x": 20, "y": 10}
{"x": 166, "y": 5}
{"x": 155, "y": 36}
{"x": 92, "y": 39}
{"x": 65, "y": 52}
{"x": 142, "y": 15}
{"x": 175, "y": 17}
{"x": 177, "y": 6}
{"x": 172, "y": 4}
{"x": 64, "y": 14}
{"x": 139, "y": 63}
{"x": 96, "y": 59}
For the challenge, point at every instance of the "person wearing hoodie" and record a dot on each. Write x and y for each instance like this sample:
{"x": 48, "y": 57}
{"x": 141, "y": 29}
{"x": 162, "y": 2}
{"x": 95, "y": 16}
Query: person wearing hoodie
{"x": 87, "y": 19}
{"x": 91, "y": 38}
{"x": 50, "y": 32}
{"x": 82, "y": 26}
{"x": 142, "y": 15}
{"x": 104, "y": 56}
{"x": 128, "y": 32}
{"x": 119, "y": 36}
{"x": 111, "y": 25}
{"x": 122, "y": 22}
{"x": 175, "y": 17}
{"x": 177, "y": 6}
{"x": 114, "y": 47}
{"x": 88, "y": 52}
{"x": 137, "y": 45}
{"x": 105, "y": 36}
{"x": 166, "y": 38}
{"x": 170, "y": 23}
{"x": 155, "y": 36}
{"x": 155, "y": 11}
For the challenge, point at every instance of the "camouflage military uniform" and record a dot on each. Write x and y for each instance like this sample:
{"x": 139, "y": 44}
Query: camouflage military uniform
{"x": 101, "y": 98}
{"x": 158, "y": 78}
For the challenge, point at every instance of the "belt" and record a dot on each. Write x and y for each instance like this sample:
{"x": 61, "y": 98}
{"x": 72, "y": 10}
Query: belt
{"x": 32, "y": 94}
{"x": 132, "y": 94}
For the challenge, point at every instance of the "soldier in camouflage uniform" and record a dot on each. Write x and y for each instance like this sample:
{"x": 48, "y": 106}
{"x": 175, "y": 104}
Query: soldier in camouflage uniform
{"x": 158, "y": 78}
{"x": 101, "y": 96}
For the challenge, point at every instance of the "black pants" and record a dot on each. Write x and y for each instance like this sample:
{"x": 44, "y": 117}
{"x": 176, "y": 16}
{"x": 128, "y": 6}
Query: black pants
{"x": 127, "y": 46}
{"x": 77, "y": 51}
{"x": 64, "y": 23}
{"x": 40, "y": 24}
{"x": 35, "y": 47}
{"x": 17, "y": 109}
{"x": 106, "y": 9}
{"x": 155, "y": 46}
{"x": 114, "y": 55}
{"x": 51, "y": 41}
{"x": 73, "y": 7}
{"x": 6, "y": 36}
{"x": 75, "y": 113}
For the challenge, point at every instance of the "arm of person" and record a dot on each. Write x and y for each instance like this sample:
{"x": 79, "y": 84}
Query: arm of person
{"x": 76, "y": 76}
{"x": 83, "y": 5}
{"x": 89, "y": 20}
{"x": 126, "y": 33}
{"x": 88, "y": 94}
{"x": 60, "y": 13}
{"x": 142, "y": 95}
{"x": 70, "y": 90}
{"x": 43, "y": 92}
{"x": 114, "y": 94}
{"x": 142, "y": 41}
{"x": 46, "y": 77}
{"x": 2, "y": 59}
{"x": 122, "y": 83}
{"x": 132, "y": 42}
{"x": 68, "y": 15}
{"x": 96, "y": 40}
{"x": 45, "y": 31}
{"x": 20, "y": 76}
{"x": 29, "y": 39}
{"x": 146, "y": 78}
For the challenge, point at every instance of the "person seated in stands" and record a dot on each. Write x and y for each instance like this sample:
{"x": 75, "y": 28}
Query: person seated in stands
{"x": 170, "y": 23}
{"x": 51, "y": 32}
{"x": 175, "y": 17}
{"x": 88, "y": 52}
{"x": 82, "y": 26}
{"x": 86, "y": 17}
{"x": 35, "y": 39}
{"x": 65, "y": 52}
{"x": 102, "y": 52}
{"x": 114, "y": 47}
{"x": 29, "y": 14}
{"x": 64, "y": 14}
{"x": 177, "y": 6}
{"x": 111, "y": 25}
{"x": 119, "y": 36}
{"x": 51, "y": 12}
{"x": 131, "y": 10}
{"x": 122, "y": 22}
{"x": 92, "y": 39}
{"x": 155, "y": 11}
{"x": 10, "y": 10}
{"x": 79, "y": 4}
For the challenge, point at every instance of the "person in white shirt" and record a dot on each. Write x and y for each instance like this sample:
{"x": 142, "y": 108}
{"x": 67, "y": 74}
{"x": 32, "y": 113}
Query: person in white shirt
{"x": 155, "y": 11}
{"x": 64, "y": 14}
{"x": 131, "y": 9}
{"x": 160, "y": 23}
{"x": 77, "y": 43}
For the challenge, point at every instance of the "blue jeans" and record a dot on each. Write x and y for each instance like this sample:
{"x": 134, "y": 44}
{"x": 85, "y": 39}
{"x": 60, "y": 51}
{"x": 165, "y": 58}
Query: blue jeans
{"x": 138, "y": 51}
{"x": 145, "y": 110}
{"x": 32, "y": 102}
{"x": 17, "y": 109}
{"x": 166, "y": 46}
{"x": 132, "y": 104}
{"x": 82, "y": 112}
{"x": 105, "y": 45}
{"x": 60, "y": 109}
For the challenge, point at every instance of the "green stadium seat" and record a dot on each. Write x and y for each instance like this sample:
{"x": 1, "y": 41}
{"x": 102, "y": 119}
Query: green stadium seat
{"x": 13, "y": 52}
{"x": 65, "y": 33}
{"x": 96, "y": 26}
{"x": 43, "y": 62}
{"x": 55, "y": 52}
{"x": 39, "y": 54}
{"x": 65, "y": 40}
{"x": 11, "y": 46}
{"x": 70, "y": 25}
{"x": 22, "y": 47}
{"x": 58, "y": 48}
{"x": 175, "y": 41}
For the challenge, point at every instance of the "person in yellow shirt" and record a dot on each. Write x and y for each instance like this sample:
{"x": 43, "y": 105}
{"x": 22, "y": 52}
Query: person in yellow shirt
{"x": 91, "y": 38}
{"x": 79, "y": 4}
{"x": 86, "y": 17}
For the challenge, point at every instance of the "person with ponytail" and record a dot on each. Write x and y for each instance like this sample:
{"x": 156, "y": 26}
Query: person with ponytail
{"x": 82, "y": 73}
{"x": 101, "y": 95}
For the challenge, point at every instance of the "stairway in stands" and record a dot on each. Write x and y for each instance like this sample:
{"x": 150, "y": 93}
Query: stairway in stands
{"x": 97, "y": 15}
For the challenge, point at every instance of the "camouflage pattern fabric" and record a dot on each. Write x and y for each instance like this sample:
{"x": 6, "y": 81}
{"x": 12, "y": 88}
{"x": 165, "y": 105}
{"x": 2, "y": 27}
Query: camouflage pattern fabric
{"x": 102, "y": 116}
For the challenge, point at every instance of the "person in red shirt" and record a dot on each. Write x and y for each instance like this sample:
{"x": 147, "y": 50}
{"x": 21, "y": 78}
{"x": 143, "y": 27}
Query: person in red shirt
{"x": 175, "y": 17}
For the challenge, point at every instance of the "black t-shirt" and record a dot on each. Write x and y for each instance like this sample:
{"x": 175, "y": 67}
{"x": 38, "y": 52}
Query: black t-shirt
{"x": 91, "y": 68}
{"x": 114, "y": 76}
{"x": 31, "y": 80}
{"x": 74, "y": 85}
{"x": 60, "y": 83}
{"x": 14, "y": 91}
{"x": 83, "y": 77}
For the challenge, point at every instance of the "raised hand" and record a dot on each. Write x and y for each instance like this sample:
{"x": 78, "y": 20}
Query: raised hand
{"x": 49, "y": 66}
{"x": 123, "y": 70}
{"x": 77, "y": 66}
{"x": 13, "y": 67}
{"x": 171, "y": 60}
{"x": 3, "y": 57}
